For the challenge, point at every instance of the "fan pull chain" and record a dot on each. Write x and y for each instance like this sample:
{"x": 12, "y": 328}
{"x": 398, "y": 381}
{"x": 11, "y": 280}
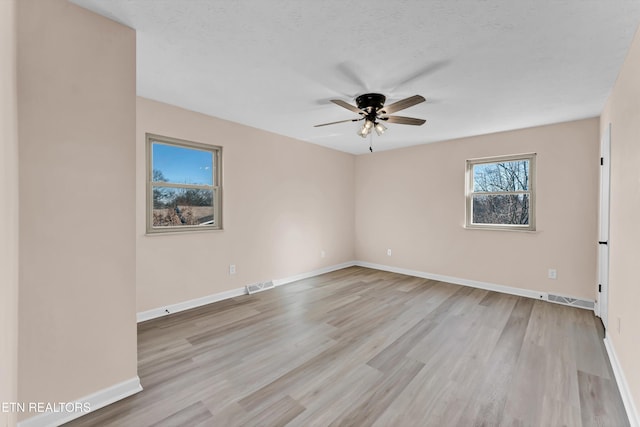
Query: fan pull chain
{"x": 370, "y": 142}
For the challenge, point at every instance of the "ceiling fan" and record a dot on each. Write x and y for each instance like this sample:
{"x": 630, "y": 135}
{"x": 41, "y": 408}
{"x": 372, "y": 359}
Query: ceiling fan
{"x": 371, "y": 109}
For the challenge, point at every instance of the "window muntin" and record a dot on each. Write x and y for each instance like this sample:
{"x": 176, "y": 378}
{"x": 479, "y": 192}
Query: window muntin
{"x": 500, "y": 193}
{"x": 183, "y": 185}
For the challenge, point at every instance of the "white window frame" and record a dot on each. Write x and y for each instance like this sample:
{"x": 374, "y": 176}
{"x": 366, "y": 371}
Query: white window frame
{"x": 216, "y": 188}
{"x": 531, "y": 157}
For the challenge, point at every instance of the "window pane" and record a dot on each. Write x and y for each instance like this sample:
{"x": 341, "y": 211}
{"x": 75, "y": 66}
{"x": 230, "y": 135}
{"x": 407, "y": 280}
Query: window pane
{"x": 180, "y": 206}
{"x": 181, "y": 165}
{"x": 497, "y": 209}
{"x": 501, "y": 176}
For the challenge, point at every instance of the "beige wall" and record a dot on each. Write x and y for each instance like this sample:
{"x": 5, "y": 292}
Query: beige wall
{"x": 623, "y": 112}
{"x": 76, "y": 112}
{"x": 8, "y": 210}
{"x": 412, "y": 201}
{"x": 284, "y": 202}
{"x": 80, "y": 170}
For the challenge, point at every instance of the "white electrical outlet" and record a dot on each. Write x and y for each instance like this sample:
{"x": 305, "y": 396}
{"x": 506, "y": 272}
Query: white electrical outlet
{"x": 552, "y": 274}
{"x": 388, "y": 252}
{"x": 323, "y": 254}
{"x": 232, "y": 269}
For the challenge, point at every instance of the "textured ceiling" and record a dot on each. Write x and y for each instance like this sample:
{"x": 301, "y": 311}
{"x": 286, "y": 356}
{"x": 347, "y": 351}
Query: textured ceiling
{"x": 483, "y": 65}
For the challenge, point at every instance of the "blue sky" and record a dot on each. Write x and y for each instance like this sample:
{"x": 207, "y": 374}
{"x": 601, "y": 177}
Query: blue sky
{"x": 183, "y": 165}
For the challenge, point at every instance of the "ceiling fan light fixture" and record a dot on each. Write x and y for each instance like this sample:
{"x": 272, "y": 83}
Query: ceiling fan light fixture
{"x": 365, "y": 129}
{"x": 380, "y": 128}
{"x": 371, "y": 109}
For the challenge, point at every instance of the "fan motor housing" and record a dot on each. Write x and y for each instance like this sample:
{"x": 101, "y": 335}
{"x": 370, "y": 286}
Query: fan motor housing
{"x": 370, "y": 101}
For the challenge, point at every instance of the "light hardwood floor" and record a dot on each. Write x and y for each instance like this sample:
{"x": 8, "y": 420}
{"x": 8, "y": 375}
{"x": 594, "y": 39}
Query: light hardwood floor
{"x": 360, "y": 347}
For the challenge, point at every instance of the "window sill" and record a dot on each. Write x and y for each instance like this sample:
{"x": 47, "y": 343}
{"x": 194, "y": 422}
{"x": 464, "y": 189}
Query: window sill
{"x": 173, "y": 233}
{"x": 489, "y": 228}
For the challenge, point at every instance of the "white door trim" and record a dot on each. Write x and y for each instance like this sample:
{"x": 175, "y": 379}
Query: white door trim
{"x": 603, "y": 227}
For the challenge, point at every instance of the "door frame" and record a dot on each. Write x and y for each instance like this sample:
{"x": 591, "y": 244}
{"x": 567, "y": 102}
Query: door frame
{"x": 603, "y": 226}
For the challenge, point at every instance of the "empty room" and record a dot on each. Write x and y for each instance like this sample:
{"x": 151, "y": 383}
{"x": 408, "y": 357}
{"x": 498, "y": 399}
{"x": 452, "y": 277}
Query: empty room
{"x": 319, "y": 213}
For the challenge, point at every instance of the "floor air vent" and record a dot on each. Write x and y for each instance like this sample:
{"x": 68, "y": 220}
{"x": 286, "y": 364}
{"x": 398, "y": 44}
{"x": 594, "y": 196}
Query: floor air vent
{"x": 573, "y": 302}
{"x": 259, "y": 287}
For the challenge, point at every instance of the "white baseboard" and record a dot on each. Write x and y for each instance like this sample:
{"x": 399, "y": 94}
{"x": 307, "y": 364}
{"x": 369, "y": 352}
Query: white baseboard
{"x": 329, "y": 269}
{"x": 455, "y": 280}
{"x": 465, "y": 282}
{"x": 198, "y": 302}
{"x": 187, "y": 305}
{"x": 95, "y": 401}
{"x": 623, "y": 386}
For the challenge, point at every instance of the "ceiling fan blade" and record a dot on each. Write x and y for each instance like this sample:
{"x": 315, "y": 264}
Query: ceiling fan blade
{"x": 402, "y": 104}
{"x": 403, "y": 120}
{"x": 346, "y": 105}
{"x": 335, "y": 123}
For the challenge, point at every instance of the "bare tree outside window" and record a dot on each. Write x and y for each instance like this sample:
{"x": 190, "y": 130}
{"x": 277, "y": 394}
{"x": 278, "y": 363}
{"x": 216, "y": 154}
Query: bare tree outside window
{"x": 500, "y": 192}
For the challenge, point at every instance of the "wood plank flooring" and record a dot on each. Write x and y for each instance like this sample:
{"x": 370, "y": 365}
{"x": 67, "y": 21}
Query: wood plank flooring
{"x": 361, "y": 347}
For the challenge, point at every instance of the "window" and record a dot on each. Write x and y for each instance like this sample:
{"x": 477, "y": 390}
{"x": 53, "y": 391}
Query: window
{"x": 183, "y": 185}
{"x": 501, "y": 193}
